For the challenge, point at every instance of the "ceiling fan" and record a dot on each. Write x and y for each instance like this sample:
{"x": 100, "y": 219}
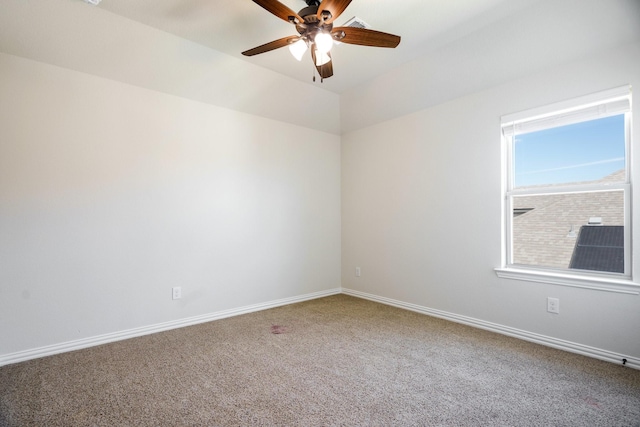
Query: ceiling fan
{"x": 314, "y": 24}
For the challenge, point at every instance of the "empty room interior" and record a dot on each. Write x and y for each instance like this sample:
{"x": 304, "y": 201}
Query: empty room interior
{"x": 154, "y": 179}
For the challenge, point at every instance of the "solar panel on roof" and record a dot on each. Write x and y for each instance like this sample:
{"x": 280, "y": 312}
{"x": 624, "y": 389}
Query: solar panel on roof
{"x": 599, "y": 248}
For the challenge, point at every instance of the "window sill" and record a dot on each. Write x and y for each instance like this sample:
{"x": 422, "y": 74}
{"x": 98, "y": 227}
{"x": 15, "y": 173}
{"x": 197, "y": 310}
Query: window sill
{"x": 576, "y": 281}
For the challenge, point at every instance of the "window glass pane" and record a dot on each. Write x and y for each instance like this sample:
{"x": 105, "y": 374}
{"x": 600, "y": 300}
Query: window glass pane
{"x": 581, "y": 152}
{"x": 570, "y": 231}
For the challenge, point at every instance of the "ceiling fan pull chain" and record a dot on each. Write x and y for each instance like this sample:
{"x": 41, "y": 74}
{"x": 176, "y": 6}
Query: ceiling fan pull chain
{"x": 314, "y": 72}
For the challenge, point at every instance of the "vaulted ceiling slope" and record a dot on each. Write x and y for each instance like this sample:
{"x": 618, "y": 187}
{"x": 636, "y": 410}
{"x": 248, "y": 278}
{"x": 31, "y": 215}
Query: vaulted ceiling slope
{"x": 191, "y": 49}
{"x": 74, "y": 35}
{"x": 234, "y": 26}
{"x": 539, "y": 37}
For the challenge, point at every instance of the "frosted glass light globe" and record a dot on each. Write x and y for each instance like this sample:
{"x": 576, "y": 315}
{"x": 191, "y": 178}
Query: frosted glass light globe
{"x": 322, "y": 58}
{"x": 298, "y": 49}
{"x": 323, "y": 42}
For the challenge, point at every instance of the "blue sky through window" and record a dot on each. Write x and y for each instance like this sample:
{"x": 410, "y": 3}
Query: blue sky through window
{"x": 585, "y": 151}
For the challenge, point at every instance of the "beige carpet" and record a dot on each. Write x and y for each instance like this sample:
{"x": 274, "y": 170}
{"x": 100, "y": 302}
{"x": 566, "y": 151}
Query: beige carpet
{"x": 335, "y": 361}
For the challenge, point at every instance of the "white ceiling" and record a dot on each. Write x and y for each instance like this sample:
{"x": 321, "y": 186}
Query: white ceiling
{"x": 192, "y": 49}
{"x": 233, "y": 26}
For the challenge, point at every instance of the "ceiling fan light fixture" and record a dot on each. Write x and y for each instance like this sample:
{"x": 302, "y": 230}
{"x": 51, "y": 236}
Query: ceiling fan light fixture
{"x": 323, "y": 42}
{"x": 316, "y": 32}
{"x": 298, "y": 49}
{"x": 322, "y": 58}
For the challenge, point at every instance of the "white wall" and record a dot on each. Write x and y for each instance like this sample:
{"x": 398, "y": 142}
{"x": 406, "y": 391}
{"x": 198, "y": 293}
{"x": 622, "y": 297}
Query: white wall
{"x": 421, "y": 207}
{"x": 112, "y": 194}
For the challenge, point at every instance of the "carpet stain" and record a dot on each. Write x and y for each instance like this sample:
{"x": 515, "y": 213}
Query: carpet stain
{"x": 278, "y": 329}
{"x": 592, "y": 402}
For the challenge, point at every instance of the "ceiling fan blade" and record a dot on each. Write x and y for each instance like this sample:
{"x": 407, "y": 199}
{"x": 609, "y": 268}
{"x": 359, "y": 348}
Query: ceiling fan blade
{"x": 279, "y": 10}
{"x": 364, "y": 37}
{"x": 325, "y": 70}
{"x": 334, "y": 7}
{"x": 276, "y": 44}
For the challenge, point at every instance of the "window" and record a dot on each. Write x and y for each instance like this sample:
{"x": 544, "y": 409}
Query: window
{"x": 567, "y": 188}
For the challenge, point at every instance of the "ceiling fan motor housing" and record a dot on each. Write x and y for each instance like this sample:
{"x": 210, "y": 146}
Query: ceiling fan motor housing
{"x": 311, "y": 25}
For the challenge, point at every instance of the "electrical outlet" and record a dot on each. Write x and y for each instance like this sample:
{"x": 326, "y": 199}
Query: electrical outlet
{"x": 177, "y": 292}
{"x": 357, "y": 271}
{"x": 553, "y": 305}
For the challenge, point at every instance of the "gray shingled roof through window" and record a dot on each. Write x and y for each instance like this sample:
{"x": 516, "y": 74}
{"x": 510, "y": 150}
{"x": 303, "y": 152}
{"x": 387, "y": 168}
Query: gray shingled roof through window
{"x": 545, "y": 235}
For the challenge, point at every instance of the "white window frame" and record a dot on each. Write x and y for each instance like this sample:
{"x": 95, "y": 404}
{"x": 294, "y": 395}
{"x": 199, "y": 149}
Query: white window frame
{"x": 590, "y": 107}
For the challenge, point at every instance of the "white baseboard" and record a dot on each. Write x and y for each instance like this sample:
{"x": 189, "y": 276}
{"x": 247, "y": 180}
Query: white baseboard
{"x": 572, "y": 347}
{"x": 50, "y": 350}
{"x": 569, "y": 346}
